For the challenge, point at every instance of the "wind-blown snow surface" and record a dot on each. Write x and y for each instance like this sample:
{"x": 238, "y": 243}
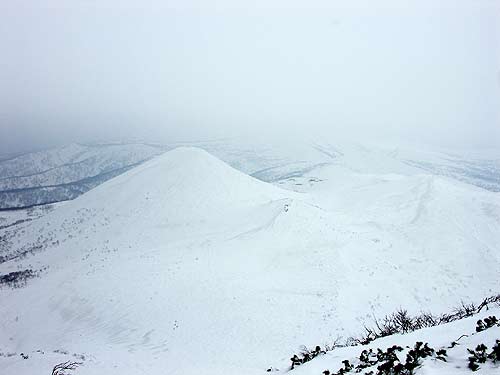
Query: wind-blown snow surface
{"x": 185, "y": 265}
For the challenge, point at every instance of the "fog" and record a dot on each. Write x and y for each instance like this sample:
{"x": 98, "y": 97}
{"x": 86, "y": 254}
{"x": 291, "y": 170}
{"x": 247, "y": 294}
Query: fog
{"x": 166, "y": 71}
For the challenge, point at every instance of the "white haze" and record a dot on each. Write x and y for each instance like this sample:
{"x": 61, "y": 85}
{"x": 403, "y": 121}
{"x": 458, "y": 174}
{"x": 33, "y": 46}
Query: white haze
{"x": 187, "y": 70}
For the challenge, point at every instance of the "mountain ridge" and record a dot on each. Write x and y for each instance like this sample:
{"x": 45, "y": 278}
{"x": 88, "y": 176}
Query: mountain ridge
{"x": 186, "y": 257}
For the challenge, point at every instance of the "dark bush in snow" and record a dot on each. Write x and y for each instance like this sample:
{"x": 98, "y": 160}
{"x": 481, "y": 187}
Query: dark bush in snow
{"x": 305, "y": 356}
{"x": 17, "y": 279}
{"x": 495, "y": 353}
{"x": 480, "y": 355}
{"x": 486, "y": 323}
{"x": 477, "y": 356}
{"x": 388, "y": 363}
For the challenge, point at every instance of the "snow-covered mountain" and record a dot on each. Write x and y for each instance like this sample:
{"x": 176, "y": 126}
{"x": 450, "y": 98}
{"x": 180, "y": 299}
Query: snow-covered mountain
{"x": 185, "y": 265}
{"x": 64, "y": 173}
{"x": 61, "y": 174}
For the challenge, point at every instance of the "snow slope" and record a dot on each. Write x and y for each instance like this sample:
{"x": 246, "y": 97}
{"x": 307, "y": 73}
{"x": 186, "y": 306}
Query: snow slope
{"x": 184, "y": 265}
{"x": 461, "y": 332}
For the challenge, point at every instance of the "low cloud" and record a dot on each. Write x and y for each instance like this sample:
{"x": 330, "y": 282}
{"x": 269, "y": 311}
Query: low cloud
{"x": 164, "y": 71}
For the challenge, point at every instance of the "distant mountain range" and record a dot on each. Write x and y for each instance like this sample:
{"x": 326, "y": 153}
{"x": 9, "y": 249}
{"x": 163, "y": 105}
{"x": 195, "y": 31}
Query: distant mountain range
{"x": 63, "y": 173}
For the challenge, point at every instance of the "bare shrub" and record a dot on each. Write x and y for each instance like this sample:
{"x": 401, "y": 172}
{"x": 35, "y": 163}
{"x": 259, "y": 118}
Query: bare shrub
{"x": 63, "y": 368}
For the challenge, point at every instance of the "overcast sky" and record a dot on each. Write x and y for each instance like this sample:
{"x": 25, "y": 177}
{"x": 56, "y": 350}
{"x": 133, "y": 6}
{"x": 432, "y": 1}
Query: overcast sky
{"x": 196, "y": 69}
